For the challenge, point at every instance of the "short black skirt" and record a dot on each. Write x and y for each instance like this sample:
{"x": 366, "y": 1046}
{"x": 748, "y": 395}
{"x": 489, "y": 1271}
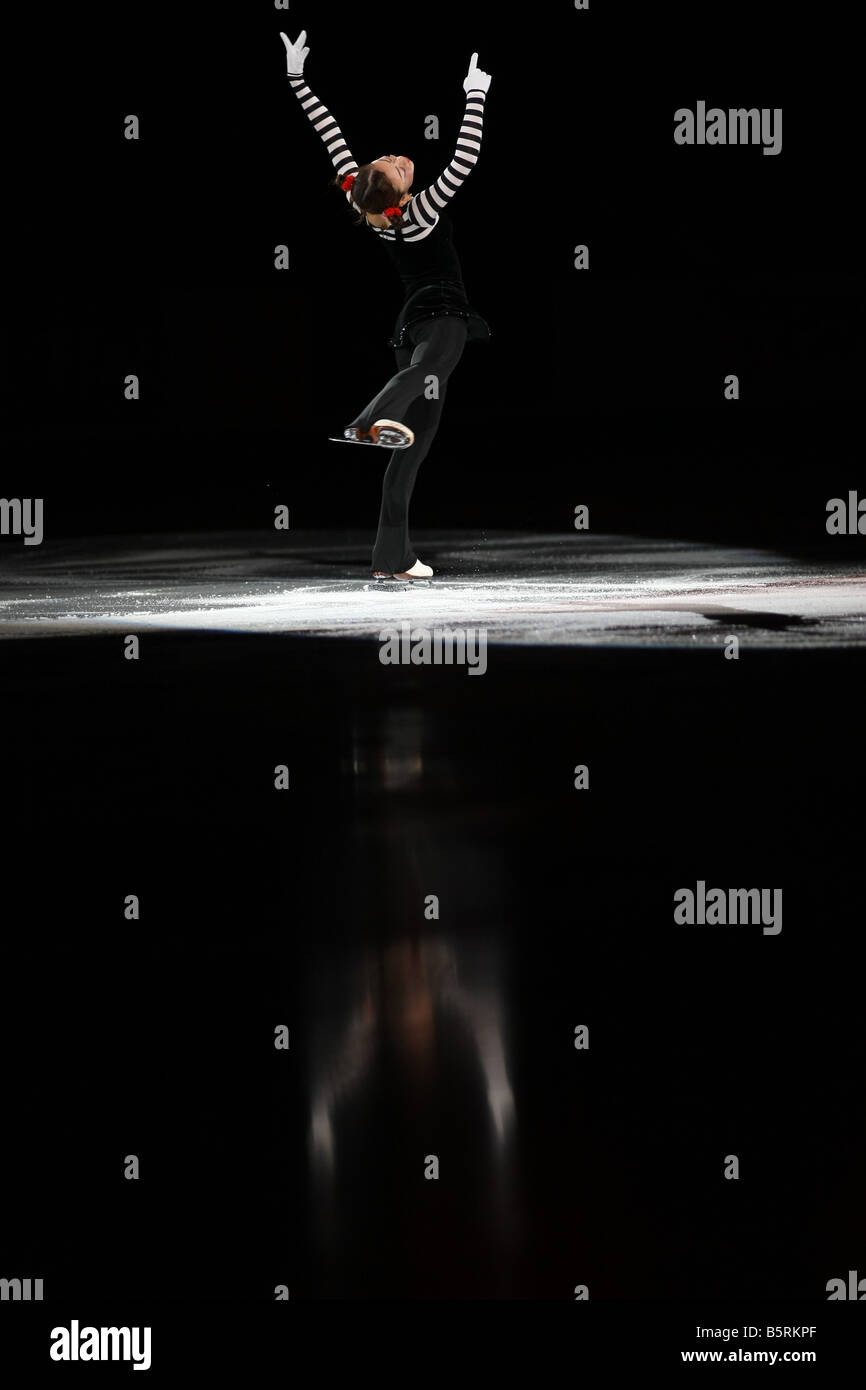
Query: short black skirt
{"x": 437, "y": 299}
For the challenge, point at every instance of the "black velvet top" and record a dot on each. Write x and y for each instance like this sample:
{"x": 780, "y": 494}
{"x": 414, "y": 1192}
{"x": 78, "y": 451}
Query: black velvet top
{"x": 432, "y": 279}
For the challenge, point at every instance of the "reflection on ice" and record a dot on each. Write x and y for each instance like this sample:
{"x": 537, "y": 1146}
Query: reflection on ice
{"x": 408, "y": 999}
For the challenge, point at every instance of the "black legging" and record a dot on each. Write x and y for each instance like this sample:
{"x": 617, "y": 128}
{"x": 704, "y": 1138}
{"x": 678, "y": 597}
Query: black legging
{"x": 438, "y": 345}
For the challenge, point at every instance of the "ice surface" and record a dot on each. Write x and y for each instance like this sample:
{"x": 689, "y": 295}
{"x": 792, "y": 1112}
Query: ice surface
{"x": 571, "y": 589}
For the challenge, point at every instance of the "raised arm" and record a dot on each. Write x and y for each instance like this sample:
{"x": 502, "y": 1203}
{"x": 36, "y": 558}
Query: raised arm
{"x": 427, "y": 204}
{"x": 323, "y": 121}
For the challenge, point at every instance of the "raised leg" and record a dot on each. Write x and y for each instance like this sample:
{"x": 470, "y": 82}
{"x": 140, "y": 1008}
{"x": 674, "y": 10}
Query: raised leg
{"x": 437, "y": 346}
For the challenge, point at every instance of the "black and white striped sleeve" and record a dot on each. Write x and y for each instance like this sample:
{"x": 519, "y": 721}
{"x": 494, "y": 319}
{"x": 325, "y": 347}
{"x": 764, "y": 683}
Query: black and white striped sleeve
{"x": 324, "y": 123}
{"x": 427, "y": 205}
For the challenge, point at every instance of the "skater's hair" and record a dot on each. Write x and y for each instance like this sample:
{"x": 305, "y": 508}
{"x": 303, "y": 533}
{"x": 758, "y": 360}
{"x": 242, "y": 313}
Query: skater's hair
{"x": 372, "y": 192}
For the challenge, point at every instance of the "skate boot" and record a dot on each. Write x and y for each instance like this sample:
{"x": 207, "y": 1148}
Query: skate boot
{"x": 389, "y": 434}
{"x": 392, "y": 434}
{"x": 418, "y": 571}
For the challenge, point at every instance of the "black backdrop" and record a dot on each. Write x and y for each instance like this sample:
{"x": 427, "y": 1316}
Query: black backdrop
{"x": 602, "y": 386}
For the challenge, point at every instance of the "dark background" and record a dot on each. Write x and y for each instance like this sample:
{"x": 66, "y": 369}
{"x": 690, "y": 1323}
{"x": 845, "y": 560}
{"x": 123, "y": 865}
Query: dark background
{"x": 600, "y": 386}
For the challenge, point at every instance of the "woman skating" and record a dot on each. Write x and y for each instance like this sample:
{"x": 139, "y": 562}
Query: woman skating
{"x": 436, "y": 319}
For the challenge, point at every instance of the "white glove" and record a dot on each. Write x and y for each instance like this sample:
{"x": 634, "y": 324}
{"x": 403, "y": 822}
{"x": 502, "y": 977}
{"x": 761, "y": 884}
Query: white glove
{"x": 476, "y": 80}
{"x": 295, "y": 54}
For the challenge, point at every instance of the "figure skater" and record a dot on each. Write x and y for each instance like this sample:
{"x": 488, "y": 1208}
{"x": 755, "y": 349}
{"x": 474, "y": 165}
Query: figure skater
{"x": 436, "y": 319}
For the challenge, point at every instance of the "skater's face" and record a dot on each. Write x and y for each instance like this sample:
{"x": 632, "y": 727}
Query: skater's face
{"x": 398, "y": 168}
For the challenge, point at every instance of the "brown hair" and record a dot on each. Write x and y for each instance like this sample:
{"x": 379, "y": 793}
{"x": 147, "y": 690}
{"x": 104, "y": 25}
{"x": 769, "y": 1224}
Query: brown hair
{"x": 372, "y": 192}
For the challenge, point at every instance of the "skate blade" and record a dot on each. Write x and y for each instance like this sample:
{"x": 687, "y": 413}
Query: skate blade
{"x": 371, "y": 443}
{"x": 393, "y": 583}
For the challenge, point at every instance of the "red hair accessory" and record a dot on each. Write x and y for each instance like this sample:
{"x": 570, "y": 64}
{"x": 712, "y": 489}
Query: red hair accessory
{"x": 347, "y": 182}
{"x": 393, "y": 212}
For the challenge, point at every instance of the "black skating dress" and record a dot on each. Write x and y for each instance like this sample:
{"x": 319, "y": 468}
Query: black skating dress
{"x": 423, "y": 250}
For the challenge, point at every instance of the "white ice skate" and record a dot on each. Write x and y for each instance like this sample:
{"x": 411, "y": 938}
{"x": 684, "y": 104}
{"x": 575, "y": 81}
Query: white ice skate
{"x": 392, "y": 434}
{"x": 388, "y": 434}
{"x": 418, "y": 571}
